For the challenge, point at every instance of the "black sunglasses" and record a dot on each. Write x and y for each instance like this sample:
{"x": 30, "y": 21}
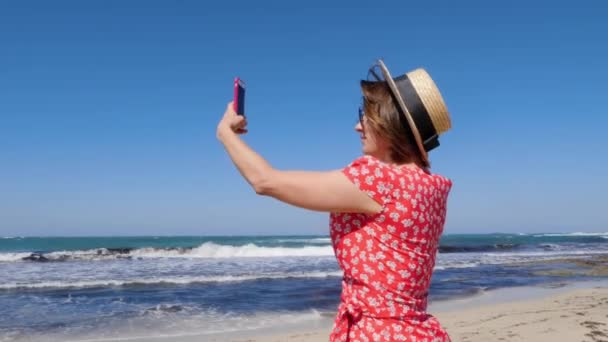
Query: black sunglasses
{"x": 362, "y": 111}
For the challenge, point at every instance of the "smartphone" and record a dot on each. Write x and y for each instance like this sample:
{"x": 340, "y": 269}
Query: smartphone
{"x": 239, "y": 96}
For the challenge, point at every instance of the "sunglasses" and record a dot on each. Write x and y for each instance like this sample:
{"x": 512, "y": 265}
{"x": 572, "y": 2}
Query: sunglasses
{"x": 361, "y": 111}
{"x": 374, "y": 74}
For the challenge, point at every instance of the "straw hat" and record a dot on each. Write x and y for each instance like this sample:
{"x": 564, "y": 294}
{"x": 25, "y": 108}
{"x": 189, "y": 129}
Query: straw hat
{"x": 420, "y": 102}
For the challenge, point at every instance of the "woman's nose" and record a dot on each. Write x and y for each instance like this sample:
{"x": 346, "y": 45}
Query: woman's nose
{"x": 358, "y": 127}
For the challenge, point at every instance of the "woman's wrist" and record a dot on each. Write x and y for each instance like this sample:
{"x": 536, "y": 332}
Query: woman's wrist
{"x": 223, "y": 131}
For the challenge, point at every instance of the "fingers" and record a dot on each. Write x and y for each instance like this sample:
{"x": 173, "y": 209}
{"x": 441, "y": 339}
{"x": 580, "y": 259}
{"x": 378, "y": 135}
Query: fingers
{"x": 241, "y": 126}
{"x": 237, "y": 123}
{"x": 230, "y": 109}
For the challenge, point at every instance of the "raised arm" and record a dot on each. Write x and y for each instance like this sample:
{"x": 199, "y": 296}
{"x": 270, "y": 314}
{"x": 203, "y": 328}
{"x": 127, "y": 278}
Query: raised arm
{"x": 328, "y": 191}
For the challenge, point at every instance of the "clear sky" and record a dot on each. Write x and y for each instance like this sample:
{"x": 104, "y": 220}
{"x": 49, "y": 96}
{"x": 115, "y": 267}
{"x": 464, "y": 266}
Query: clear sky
{"x": 108, "y": 109}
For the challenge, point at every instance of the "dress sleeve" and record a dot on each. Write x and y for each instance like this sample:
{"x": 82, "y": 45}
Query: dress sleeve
{"x": 368, "y": 175}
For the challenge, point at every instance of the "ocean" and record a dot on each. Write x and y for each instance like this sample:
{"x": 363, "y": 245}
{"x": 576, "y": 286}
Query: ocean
{"x": 88, "y": 288}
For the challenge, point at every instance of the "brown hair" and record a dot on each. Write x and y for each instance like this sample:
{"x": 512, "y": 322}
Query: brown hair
{"x": 386, "y": 120}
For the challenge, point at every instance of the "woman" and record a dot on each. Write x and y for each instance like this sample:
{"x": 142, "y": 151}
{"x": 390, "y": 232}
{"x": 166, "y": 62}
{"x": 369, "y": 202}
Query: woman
{"x": 387, "y": 209}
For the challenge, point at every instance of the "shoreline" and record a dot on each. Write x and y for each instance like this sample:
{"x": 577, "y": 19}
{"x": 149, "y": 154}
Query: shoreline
{"x": 552, "y": 312}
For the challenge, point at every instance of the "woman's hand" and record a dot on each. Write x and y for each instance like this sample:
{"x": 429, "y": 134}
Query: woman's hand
{"x": 231, "y": 122}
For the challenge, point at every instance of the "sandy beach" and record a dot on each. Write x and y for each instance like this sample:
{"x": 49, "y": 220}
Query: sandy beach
{"x": 576, "y": 315}
{"x": 572, "y": 313}
{"x": 568, "y": 314}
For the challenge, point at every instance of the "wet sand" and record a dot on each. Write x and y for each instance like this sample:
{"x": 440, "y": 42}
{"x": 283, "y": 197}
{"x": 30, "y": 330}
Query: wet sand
{"x": 574, "y": 313}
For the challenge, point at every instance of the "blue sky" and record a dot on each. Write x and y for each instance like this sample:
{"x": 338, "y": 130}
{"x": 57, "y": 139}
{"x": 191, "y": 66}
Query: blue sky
{"x": 108, "y": 109}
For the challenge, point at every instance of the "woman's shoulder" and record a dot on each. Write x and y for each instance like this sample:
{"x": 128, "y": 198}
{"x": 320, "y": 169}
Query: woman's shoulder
{"x": 426, "y": 176}
{"x": 370, "y": 164}
{"x": 367, "y": 165}
{"x": 366, "y": 160}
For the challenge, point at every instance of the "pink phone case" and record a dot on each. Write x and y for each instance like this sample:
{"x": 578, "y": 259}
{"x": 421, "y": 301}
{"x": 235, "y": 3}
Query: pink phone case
{"x": 239, "y": 96}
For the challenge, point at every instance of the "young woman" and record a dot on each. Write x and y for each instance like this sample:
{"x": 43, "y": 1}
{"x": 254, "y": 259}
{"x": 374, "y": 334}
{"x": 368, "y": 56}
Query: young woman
{"x": 387, "y": 209}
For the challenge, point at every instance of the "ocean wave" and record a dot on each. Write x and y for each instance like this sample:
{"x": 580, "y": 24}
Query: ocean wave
{"x": 12, "y": 257}
{"x": 212, "y": 250}
{"x": 452, "y": 264}
{"x": 482, "y": 248}
{"x": 206, "y": 250}
{"x": 63, "y": 284}
{"x": 162, "y": 323}
{"x": 316, "y": 241}
{"x": 550, "y": 246}
{"x": 472, "y": 260}
{"x": 604, "y": 234}
{"x": 515, "y": 258}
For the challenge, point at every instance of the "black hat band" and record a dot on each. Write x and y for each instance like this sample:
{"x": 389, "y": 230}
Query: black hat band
{"x": 430, "y": 138}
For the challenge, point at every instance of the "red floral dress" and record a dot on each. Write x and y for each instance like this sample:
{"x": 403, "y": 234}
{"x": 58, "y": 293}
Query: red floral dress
{"x": 388, "y": 258}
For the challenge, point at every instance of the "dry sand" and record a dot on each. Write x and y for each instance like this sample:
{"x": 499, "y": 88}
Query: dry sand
{"x": 574, "y": 316}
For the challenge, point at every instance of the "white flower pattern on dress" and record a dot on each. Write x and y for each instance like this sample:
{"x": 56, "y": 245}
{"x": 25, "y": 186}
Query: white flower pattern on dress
{"x": 388, "y": 258}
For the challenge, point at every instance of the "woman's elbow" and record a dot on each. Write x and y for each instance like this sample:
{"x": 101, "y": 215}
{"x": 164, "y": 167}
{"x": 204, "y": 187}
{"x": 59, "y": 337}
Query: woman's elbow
{"x": 260, "y": 187}
{"x": 263, "y": 185}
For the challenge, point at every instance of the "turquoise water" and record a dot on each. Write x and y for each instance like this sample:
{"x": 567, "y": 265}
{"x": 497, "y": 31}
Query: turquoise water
{"x": 473, "y": 241}
{"x": 49, "y": 244}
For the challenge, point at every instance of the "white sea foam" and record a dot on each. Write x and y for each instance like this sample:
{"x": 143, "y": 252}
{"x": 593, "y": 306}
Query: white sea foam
{"x": 212, "y": 250}
{"x": 549, "y": 254}
{"x": 168, "y": 280}
{"x": 324, "y": 240}
{"x": 250, "y": 250}
{"x": 469, "y": 260}
{"x": 458, "y": 264}
{"x": 604, "y": 234}
{"x": 203, "y": 326}
{"x": 12, "y": 257}
{"x": 206, "y": 250}
{"x": 552, "y": 246}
